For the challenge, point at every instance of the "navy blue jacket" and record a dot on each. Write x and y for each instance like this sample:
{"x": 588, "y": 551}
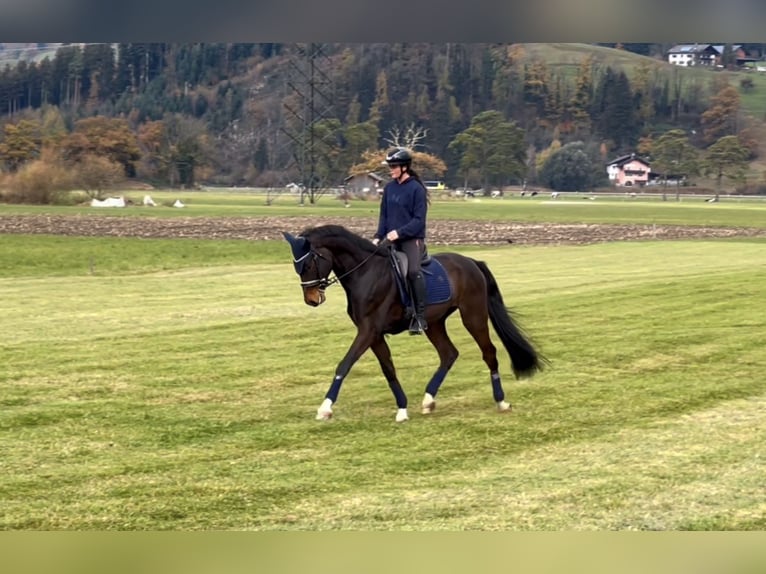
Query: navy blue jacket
{"x": 403, "y": 207}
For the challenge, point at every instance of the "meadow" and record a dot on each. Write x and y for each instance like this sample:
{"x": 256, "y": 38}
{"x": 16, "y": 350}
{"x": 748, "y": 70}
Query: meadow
{"x": 171, "y": 384}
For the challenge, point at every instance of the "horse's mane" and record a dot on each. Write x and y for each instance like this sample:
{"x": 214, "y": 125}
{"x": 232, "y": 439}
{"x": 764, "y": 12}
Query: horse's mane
{"x": 331, "y": 232}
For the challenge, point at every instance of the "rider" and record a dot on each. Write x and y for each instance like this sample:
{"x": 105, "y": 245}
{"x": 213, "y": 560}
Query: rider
{"x": 403, "y": 222}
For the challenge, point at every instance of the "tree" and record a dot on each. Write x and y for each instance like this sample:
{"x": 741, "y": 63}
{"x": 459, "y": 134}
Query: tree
{"x": 96, "y": 174}
{"x": 411, "y": 137}
{"x": 426, "y": 164}
{"x": 720, "y": 119}
{"x": 544, "y": 155}
{"x": 494, "y": 147}
{"x": 643, "y": 87}
{"x": 613, "y": 106}
{"x": 673, "y": 154}
{"x": 359, "y": 138}
{"x": 577, "y": 107}
{"x": 726, "y": 158}
{"x": 108, "y": 137}
{"x": 21, "y": 143}
{"x": 187, "y": 144}
{"x": 569, "y": 168}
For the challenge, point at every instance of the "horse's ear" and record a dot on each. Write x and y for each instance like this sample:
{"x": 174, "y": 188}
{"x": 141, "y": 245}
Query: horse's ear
{"x": 298, "y": 245}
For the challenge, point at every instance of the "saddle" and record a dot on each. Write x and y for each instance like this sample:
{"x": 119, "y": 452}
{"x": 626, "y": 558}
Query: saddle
{"x": 438, "y": 288}
{"x": 400, "y": 262}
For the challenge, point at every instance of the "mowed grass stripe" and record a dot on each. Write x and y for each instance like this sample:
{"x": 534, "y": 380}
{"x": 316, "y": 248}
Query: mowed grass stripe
{"x": 703, "y": 470}
{"x": 206, "y": 421}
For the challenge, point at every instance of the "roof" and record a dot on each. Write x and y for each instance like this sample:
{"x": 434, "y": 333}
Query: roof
{"x": 371, "y": 174}
{"x": 719, "y": 47}
{"x": 690, "y": 48}
{"x": 697, "y": 48}
{"x": 622, "y": 160}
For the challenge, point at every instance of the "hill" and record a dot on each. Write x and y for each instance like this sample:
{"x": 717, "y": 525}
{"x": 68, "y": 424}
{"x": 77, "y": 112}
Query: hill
{"x": 252, "y": 100}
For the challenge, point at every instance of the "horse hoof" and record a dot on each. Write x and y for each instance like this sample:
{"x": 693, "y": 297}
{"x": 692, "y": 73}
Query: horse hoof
{"x": 428, "y": 405}
{"x": 324, "y": 415}
{"x": 503, "y": 407}
{"x": 401, "y": 416}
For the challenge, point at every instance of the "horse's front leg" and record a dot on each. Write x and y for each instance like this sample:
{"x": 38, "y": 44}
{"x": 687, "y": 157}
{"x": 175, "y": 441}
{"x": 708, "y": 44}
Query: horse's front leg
{"x": 383, "y": 353}
{"x": 361, "y": 343}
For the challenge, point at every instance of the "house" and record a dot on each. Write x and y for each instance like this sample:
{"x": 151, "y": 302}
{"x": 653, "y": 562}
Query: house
{"x": 739, "y": 54}
{"x": 705, "y": 54}
{"x": 628, "y": 170}
{"x": 363, "y": 182}
{"x": 693, "y": 55}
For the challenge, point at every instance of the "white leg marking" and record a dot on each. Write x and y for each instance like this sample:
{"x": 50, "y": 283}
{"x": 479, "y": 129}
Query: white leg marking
{"x": 503, "y": 406}
{"x": 429, "y": 404}
{"x": 324, "y": 412}
{"x": 401, "y": 415}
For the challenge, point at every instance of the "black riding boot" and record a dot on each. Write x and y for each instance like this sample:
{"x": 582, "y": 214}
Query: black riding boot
{"x": 418, "y": 324}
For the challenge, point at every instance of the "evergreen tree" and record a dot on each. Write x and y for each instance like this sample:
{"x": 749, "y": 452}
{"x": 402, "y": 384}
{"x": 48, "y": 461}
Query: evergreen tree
{"x": 569, "y": 168}
{"x": 493, "y": 147}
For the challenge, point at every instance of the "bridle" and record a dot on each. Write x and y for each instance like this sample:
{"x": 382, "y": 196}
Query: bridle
{"x": 323, "y": 282}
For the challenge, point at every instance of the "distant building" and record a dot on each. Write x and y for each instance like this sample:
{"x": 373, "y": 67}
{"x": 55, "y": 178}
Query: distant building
{"x": 628, "y": 170}
{"x": 705, "y": 54}
{"x": 364, "y": 183}
{"x": 693, "y": 55}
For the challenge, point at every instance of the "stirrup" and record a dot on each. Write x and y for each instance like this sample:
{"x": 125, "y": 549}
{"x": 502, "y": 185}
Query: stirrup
{"x": 418, "y": 325}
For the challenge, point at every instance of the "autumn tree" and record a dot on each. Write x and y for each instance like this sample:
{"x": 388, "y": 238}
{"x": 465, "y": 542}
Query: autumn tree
{"x": 425, "y": 164}
{"x": 720, "y": 118}
{"x": 20, "y": 144}
{"x": 673, "y": 154}
{"x": 101, "y": 136}
{"x": 726, "y": 158}
{"x": 96, "y": 174}
{"x": 545, "y": 154}
{"x": 40, "y": 181}
{"x": 536, "y": 85}
{"x": 644, "y": 146}
{"x": 494, "y": 147}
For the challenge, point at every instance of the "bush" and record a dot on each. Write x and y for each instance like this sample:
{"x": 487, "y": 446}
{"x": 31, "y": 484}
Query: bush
{"x": 37, "y": 182}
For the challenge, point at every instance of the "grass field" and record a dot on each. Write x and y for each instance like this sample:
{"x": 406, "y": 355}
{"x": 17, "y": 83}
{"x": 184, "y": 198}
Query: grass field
{"x": 569, "y": 208}
{"x": 173, "y": 385}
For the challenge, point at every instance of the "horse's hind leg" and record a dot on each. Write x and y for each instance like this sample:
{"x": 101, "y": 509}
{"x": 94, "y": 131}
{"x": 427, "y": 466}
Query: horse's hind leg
{"x": 477, "y": 325}
{"x": 448, "y": 353}
{"x": 383, "y": 353}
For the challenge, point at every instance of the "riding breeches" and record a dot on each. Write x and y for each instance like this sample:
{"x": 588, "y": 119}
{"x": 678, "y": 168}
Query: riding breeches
{"x": 414, "y": 250}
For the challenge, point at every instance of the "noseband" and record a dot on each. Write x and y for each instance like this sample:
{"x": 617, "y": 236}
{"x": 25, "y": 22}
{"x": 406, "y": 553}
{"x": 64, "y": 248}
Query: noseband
{"x": 321, "y": 282}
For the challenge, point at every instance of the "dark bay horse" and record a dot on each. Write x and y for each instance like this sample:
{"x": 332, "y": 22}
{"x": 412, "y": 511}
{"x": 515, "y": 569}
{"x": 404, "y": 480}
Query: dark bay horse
{"x": 374, "y": 304}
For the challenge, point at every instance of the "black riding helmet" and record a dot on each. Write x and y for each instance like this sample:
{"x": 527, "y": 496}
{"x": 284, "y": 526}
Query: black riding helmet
{"x": 398, "y": 156}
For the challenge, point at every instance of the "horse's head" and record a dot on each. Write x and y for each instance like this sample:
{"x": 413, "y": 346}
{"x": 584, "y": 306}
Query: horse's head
{"x": 313, "y": 266}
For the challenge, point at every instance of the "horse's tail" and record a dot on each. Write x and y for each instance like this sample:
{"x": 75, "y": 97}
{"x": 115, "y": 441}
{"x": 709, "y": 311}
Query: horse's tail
{"x": 525, "y": 360}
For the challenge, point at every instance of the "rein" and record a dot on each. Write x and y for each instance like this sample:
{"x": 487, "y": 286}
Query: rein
{"x": 325, "y": 283}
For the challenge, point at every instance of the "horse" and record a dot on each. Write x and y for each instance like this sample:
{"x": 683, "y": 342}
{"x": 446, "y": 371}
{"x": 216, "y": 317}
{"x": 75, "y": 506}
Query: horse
{"x": 377, "y": 308}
